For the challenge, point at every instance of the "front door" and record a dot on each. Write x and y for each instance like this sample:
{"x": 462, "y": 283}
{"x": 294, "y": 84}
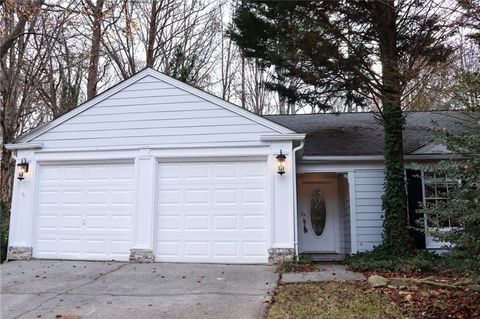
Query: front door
{"x": 318, "y": 225}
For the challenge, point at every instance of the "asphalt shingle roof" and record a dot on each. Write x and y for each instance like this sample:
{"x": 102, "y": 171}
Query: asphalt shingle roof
{"x": 331, "y": 134}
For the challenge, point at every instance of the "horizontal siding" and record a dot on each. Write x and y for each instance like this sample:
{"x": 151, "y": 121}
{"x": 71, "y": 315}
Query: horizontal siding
{"x": 152, "y": 112}
{"x": 368, "y": 194}
{"x": 344, "y": 199}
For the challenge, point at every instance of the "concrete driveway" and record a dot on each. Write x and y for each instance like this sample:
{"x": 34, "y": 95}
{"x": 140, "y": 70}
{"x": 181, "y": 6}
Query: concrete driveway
{"x": 52, "y": 289}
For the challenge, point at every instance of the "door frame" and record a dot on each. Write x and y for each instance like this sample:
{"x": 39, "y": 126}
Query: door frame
{"x": 320, "y": 178}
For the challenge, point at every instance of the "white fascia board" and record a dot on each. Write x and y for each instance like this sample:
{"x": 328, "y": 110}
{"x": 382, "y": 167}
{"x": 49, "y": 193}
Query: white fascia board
{"x": 343, "y": 158}
{"x": 360, "y": 158}
{"x": 218, "y": 101}
{"x": 283, "y": 137}
{"x": 24, "y": 146}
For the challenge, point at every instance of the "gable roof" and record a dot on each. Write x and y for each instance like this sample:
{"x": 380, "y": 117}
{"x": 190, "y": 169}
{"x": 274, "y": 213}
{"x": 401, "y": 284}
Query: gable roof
{"x": 162, "y": 77}
{"x": 355, "y": 134}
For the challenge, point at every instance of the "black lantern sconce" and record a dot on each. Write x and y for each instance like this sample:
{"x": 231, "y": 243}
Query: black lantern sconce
{"x": 22, "y": 169}
{"x": 281, "y": 163}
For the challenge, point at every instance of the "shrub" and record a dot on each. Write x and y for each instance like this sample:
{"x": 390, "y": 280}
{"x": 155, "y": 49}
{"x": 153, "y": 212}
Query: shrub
{"x": 4, "y": 225}
{"x": 385, "y": 260}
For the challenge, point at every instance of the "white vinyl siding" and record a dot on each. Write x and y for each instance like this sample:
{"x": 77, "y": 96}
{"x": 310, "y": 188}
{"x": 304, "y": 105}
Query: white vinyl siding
{"x": 152, "y": 112}
{"x": 212, "y": 212}
{"x": 368, "y": 200}
{"x": 84, "y": 212}
{"x": 344, "y": 211}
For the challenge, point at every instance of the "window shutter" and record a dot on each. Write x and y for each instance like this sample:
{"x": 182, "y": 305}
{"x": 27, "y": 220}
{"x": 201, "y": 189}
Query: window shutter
{"x": 415, "y": 197}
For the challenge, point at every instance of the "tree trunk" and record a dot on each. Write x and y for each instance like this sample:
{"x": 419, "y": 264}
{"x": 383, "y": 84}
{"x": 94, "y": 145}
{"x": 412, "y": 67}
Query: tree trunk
{"x": 152, "y": 31}
{"x": 95, "y": 49}
{"x": 243, "y": 81}
{"x": 6, "y": 174}
{"x": 396, "y": 235}
{"x": 30, "y": 10}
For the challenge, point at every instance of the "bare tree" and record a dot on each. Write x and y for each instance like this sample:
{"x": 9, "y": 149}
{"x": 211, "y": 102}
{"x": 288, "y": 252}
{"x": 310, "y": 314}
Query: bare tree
{"x": 176, "y": 37}
{"x": 96, "y": 10}
{"x": 19, "y": 78}
{"x": 15, "y": 24}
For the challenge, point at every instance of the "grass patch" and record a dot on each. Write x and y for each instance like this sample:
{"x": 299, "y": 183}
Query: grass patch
{"x": 383, "y": 260}
{"x": 332, "y": 300}
{"x": 303, "y": 264}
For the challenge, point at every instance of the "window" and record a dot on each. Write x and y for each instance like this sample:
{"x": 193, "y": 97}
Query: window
{"x": 318, "y": 213}
{"x": 435, "y": 191}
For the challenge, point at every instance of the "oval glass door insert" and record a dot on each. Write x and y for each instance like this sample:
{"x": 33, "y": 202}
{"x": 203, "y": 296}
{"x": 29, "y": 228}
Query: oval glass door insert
{"x": 318, "y": 212}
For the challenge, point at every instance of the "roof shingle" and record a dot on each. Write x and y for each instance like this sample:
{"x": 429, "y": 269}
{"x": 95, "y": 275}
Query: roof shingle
{"x": 343, "y": 134}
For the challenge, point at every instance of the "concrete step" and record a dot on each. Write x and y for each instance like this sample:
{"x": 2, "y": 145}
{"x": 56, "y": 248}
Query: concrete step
{"x": 324, "y": 257}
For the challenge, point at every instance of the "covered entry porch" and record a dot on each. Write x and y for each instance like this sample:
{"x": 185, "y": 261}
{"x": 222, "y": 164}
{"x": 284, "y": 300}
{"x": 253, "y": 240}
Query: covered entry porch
{"x": 323, "y": 219}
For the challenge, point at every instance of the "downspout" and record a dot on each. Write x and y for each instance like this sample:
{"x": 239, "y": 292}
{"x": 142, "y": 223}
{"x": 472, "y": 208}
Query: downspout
{"x": 294, "y": 172}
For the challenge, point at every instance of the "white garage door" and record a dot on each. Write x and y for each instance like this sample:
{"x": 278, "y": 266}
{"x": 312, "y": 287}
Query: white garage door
{"x": 84, "y": 212}
{"x": 212, "y": 212}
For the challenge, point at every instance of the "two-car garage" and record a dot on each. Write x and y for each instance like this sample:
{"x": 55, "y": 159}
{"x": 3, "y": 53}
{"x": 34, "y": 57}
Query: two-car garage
{"x": 154, "y": 170}
{"x": 210, "y": 211}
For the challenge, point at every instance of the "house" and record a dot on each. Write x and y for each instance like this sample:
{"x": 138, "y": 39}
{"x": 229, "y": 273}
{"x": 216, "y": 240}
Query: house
{"x": 156, "y": 170}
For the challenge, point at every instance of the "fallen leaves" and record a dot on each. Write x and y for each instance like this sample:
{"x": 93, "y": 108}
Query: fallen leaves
{"x": 435, "y": 297}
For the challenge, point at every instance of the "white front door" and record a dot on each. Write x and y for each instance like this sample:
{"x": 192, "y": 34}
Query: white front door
{"x": 318, "y": 225}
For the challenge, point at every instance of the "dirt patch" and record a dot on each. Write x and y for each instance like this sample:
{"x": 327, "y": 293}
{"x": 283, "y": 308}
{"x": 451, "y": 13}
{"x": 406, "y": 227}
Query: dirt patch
{"x": 429, "y": 297}
{"x": 360, "y": 300}
{"x": 333, "y": 300}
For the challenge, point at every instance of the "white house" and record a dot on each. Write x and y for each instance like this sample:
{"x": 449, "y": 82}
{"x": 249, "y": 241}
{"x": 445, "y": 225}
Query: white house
{"x": 156, "y": 170}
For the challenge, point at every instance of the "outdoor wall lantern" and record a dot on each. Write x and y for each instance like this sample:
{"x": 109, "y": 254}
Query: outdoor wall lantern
{"x": 281, "y": 163}
{"x": 22, "y": 168}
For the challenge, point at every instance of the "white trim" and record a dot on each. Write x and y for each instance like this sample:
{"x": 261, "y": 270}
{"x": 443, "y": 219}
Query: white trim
{"x": 154, "y": 147}
{"x": 163, "y": 154}
{"x": 363, "y": 158}
{"x": 295, "y": 200}
{"x": 305, "y": 168}
{"x": 140, "y": 75}
{"x": 344, "y": 158}
{"x": 353, "y": 212}
{"x": 432, "y": 148}
{"x": 24, "y": 146}
{"x": 283, "y": 137}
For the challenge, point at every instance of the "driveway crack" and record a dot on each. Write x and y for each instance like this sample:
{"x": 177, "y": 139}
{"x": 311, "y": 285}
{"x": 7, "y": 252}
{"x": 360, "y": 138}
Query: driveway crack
{"x": 66, "y": 292}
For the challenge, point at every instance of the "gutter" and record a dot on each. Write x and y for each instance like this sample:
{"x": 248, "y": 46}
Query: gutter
{"x": 295, "y": 204}
{"x": 283, "y": 137}
{"x": 23, "y": 146}
{"x": 364, "y": 158}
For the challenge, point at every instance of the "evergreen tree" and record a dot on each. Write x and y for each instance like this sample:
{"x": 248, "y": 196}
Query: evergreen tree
{"x": 356, "y": 52}
{"x": 461, "y": 209}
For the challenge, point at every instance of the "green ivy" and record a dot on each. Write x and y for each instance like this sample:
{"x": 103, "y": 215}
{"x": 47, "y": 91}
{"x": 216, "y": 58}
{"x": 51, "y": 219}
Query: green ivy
{"x": 394, "y": 200}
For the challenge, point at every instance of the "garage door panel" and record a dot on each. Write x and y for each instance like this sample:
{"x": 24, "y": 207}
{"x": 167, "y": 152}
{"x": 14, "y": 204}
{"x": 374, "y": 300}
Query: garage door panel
{"x": 225, "y": 222}
{"x": 226, "y": 249}
{"x": 84, "y": 211}
{"x": 253, "y": 249}
{"x": 212, "y": 212}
